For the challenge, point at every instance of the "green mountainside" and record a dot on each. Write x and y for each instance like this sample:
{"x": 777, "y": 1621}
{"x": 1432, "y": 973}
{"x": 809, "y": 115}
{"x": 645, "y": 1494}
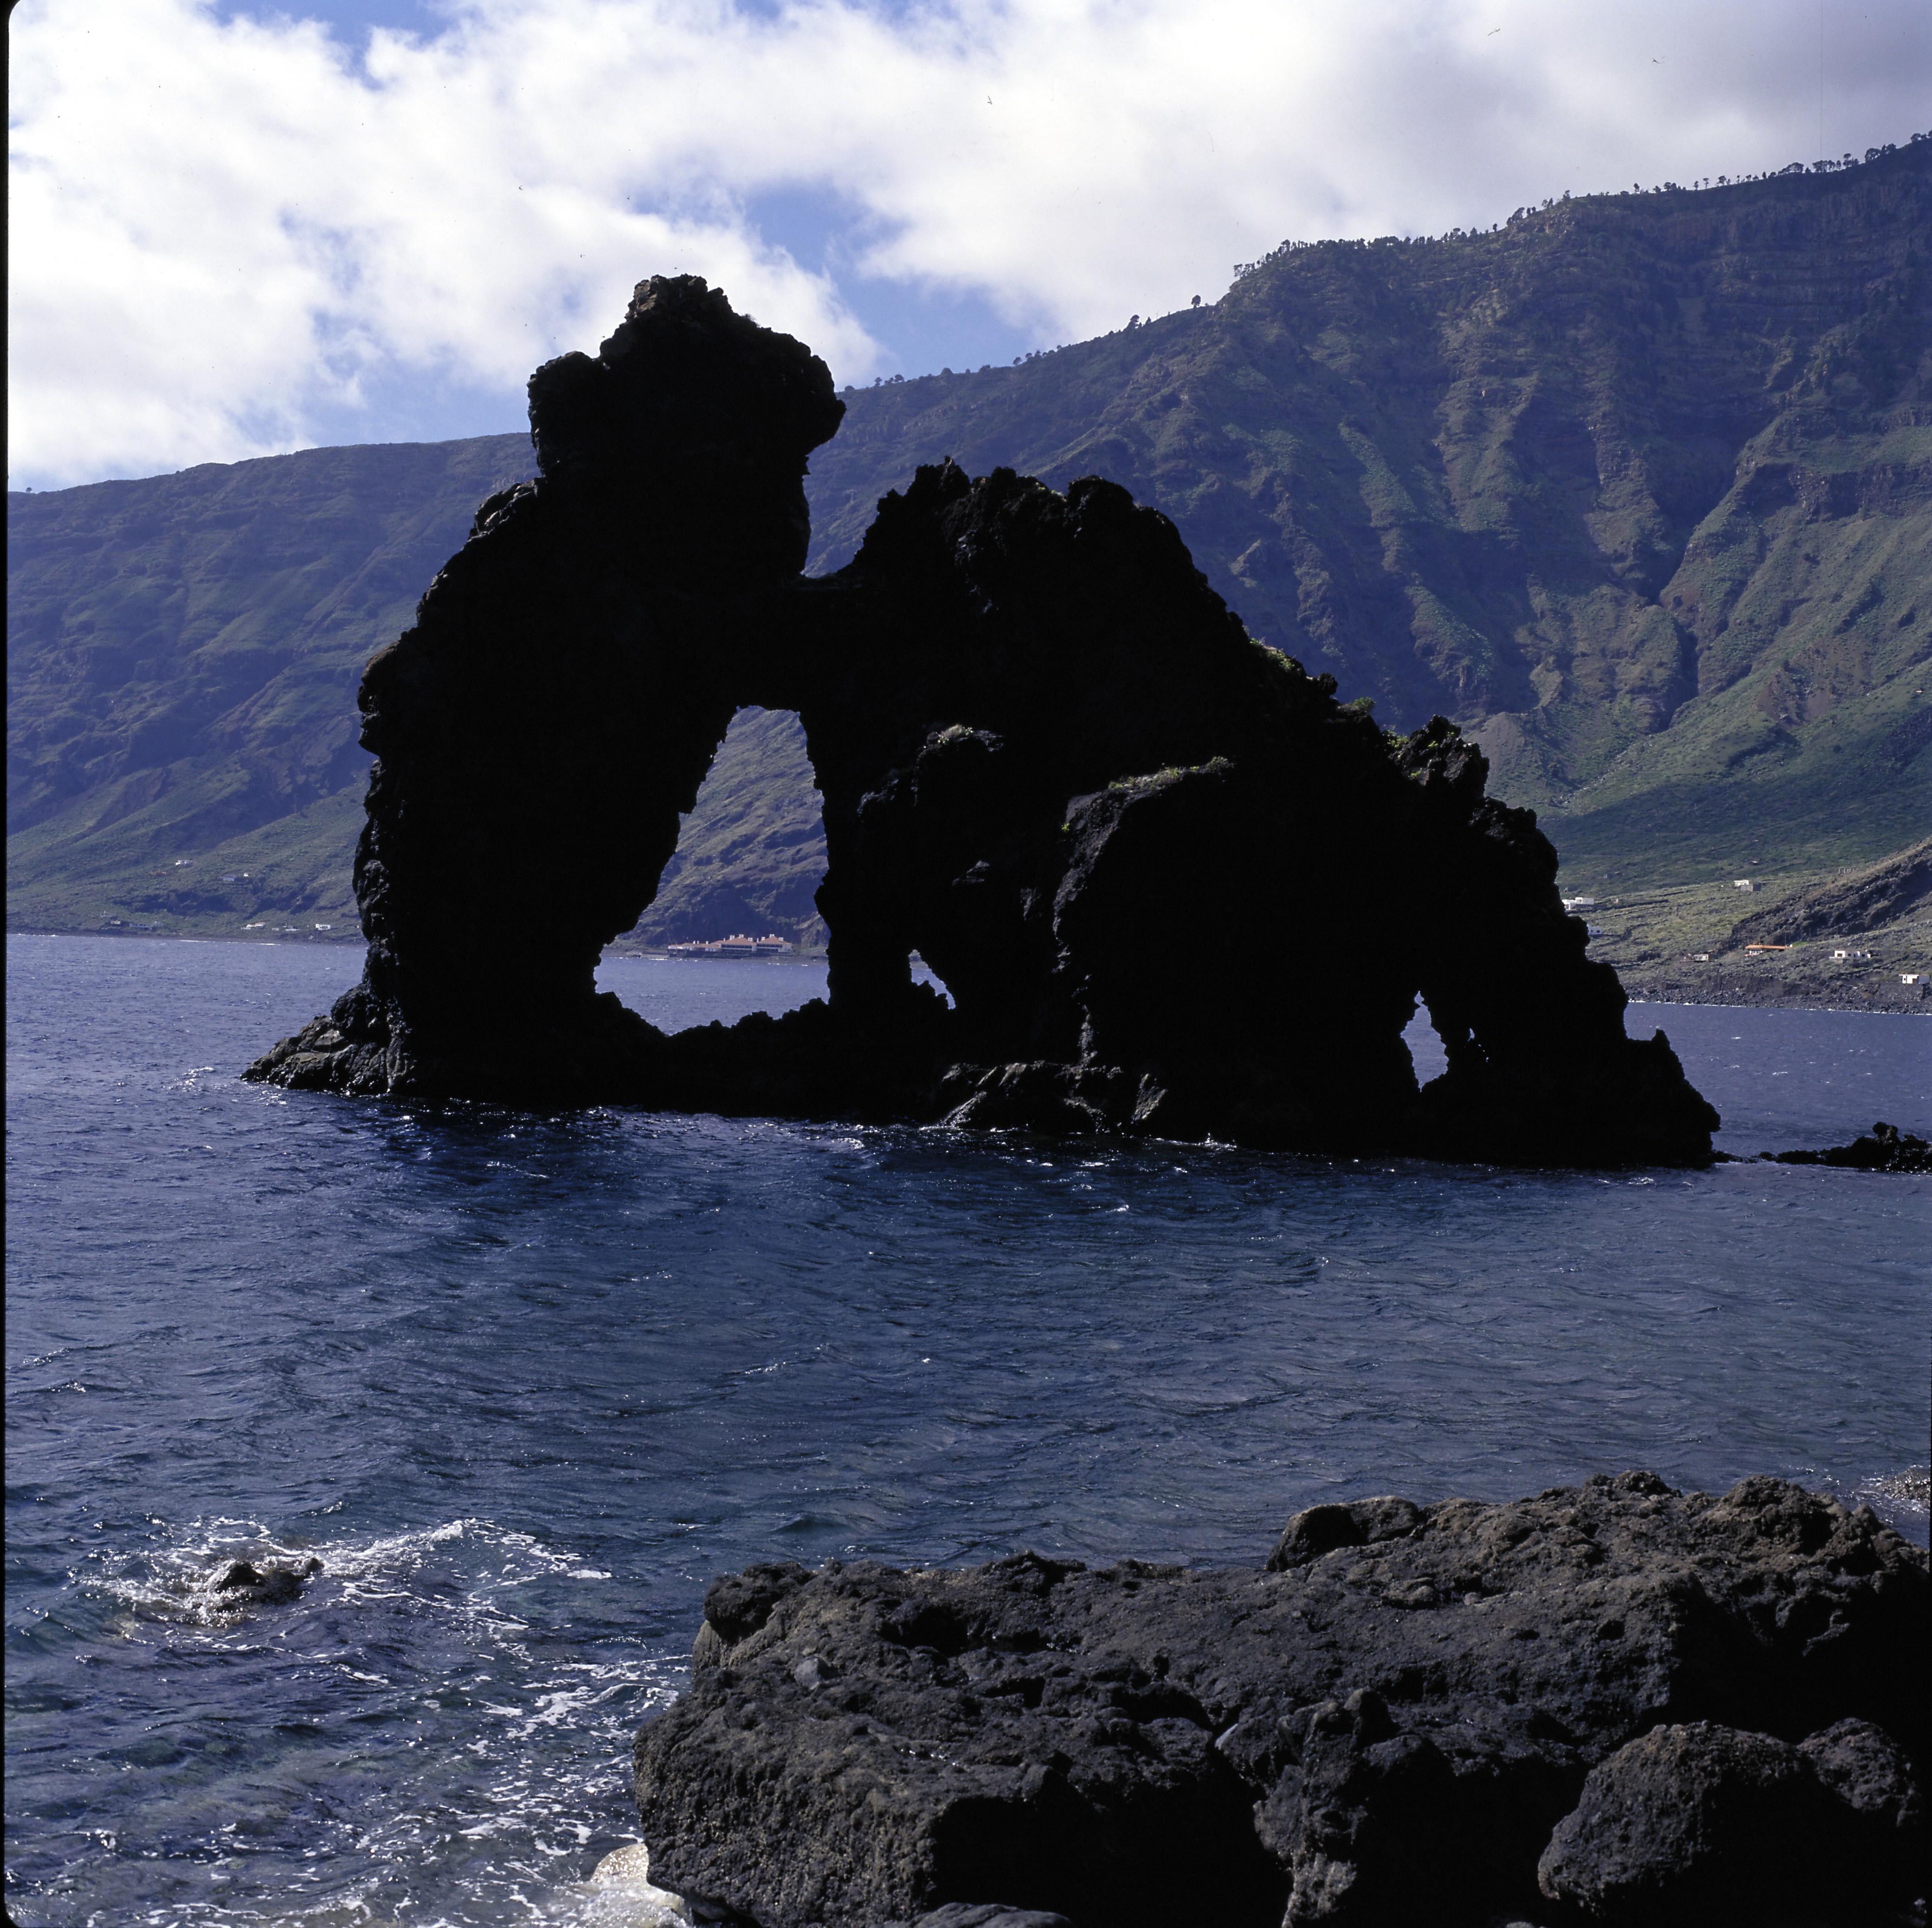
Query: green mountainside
{"x": 1637, "y": 488}
{"x": 182, "y": 655}
{"x": 751, "y": 854}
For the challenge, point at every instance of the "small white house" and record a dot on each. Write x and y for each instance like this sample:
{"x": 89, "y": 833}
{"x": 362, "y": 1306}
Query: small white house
{"x": 1579, "y": 904}
{"x": 1910, "y": 976}
{"x": 1742, "y": 884}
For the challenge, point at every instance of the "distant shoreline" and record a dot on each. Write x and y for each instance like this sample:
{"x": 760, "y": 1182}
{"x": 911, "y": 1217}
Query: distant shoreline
{"x": 658, "y": 954}
{"x": 1769, "y": 1004}
{"x": 190, "y": 937}
{"x": 1902, "y": 1001}
{"x": 1874, "y": 991}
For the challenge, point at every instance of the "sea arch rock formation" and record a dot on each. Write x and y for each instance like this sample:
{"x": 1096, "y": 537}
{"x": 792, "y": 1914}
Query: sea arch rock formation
{"x": 1174, "y": 887}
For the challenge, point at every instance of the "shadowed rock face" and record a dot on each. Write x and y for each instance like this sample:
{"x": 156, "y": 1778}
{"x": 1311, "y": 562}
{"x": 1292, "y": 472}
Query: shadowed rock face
{"x": 558, "y": 703}
{"x": 1174, "y": 887}
{"x": 1647, "y": 1706}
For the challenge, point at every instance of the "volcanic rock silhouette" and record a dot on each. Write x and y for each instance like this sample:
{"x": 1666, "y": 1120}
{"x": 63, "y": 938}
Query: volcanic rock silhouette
{"x": 1174, "y": 888}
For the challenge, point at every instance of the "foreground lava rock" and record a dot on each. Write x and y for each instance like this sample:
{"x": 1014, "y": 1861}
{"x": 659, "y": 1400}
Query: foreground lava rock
{"x": 1613, "y": 1702}
{"x": 1692, "y": 1824}
{"x": 1174, "y": 887}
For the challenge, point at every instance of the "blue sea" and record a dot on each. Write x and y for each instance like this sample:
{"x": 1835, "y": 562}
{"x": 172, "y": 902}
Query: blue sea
{"x": 524, "y": 1385}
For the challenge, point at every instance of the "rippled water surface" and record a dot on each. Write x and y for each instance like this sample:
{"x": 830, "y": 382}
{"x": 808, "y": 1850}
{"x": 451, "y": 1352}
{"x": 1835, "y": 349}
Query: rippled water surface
{"x": 524, "y": 1385}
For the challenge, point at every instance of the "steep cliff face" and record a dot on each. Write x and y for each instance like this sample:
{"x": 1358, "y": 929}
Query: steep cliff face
{"x": 181, "y": 661}
{"x": 1637, "y": 490}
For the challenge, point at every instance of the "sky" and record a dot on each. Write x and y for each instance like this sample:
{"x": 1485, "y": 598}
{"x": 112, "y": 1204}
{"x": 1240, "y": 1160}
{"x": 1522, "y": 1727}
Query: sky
{"x": 237, "y": 230}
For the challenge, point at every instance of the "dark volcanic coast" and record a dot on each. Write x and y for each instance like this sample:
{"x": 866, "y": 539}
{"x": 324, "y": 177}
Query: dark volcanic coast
{"x": 1035, "y": 726}
{"x": 1613, "y": 1703}
{"x": 1034, "y": 723}
{"x": 620, "y": 1441}
{"x": 1036, "y": 730}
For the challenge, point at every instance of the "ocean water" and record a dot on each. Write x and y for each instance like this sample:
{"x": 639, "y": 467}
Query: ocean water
{"x": 525, "y": 1385}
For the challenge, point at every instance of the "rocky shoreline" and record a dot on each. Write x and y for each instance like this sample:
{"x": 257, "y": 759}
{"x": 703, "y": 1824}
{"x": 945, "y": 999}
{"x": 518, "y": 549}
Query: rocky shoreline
{"x": 1712, "y": 985}
{"x": 1612, "y": 1703}
{"x": 1855, "y": 942}
{"x": 1885, "y": 1148}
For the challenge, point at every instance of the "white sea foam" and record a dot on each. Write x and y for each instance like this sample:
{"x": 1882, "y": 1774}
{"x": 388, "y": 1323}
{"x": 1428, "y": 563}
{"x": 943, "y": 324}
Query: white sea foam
{"x": 174, "y": 1580}
{"x": 1897, "y": 1498}
{"x": 621, "y": 1894}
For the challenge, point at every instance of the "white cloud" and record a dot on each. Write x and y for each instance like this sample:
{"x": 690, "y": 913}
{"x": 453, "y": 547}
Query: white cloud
{"x": 224, "y": 233}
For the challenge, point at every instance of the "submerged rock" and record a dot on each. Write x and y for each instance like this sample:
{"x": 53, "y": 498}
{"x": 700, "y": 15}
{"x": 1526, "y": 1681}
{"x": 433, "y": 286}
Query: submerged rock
{"x": 241, "y": 1583}
{"x": 1174, "y": 887}
{"x": 1610, "y": 1697}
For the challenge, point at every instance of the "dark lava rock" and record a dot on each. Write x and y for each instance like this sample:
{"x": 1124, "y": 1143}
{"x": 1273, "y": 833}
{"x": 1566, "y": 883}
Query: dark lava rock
{"x": 1868, "y": 1771}
{"x": 1174, "y": 888}
{"x": 1887, "y": 1149}
{"x": 989, "y": 1914}
{"x": 1393, "y": 1723}
{"x": 1704, "y": 1823}
{"x": 241, "y": 1583}
{"x": 1685, "y": 1821}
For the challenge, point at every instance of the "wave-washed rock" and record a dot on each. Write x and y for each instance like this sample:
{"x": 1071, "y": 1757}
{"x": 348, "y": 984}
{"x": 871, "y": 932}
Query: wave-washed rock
{"x": 1173, "y": 886}
{"x": 1885, "y": 1148}
{"x": 241, "y": 1583}
{"x": 1612, "y": 1703}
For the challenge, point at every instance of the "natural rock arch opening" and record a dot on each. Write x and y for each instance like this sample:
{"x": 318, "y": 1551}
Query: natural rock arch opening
{"x": 923, "y": 972}
{"x": 1427, "y": 1050}
{"x": 751, "y": 851}
{"x": 1173, "y": 887}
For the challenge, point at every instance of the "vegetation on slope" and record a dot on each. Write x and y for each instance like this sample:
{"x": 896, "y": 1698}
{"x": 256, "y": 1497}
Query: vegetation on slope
{"x": 752, "y": 852}
{"x": 182, "y": 655}
{"x": 1638, "y": 488}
